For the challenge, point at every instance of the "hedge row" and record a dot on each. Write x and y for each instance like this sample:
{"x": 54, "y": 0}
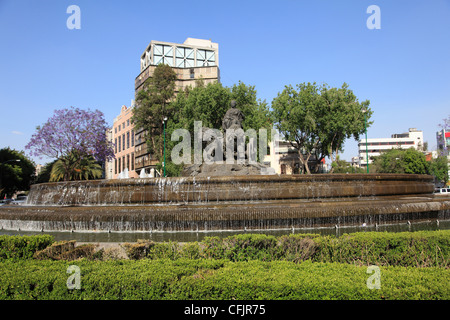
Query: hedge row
{"x": 216, "y": 279}
{"x": 418, "y": 249}
{"x": 23, "y": 247}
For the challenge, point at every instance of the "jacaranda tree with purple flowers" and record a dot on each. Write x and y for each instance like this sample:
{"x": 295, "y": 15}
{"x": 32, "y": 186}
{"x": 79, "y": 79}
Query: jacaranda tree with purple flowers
{"x": 72, "y": 135}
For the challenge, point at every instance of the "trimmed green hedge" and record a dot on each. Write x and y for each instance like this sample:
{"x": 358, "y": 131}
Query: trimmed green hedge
{"x": 417, "y": 249}
{"x": 244, "y": 267}
{"x": 216, "y": 279}
{"x": 23, "y": 247}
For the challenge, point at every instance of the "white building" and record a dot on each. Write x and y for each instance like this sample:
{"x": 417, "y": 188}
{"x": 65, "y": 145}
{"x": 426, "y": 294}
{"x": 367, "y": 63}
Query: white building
{"x": 413, "y": 138}
{"x": 284, "y": 158}
{"x": 443, "y": 142}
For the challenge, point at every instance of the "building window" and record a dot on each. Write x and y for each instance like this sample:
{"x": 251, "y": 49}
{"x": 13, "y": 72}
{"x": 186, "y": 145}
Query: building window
{"x": 128, "y": 122}
{"x": 163, "y": 54}
{"x": 128, "y": 139}
{"x": 205, "y": 58}
{"x": 128, "y": 161}
{"x": 283, "y": 169}
{"x": 115, "y": 145}
{"x": 132, "y": 138}
{"x": 132, "y": 161}
{"x": 123, "y": 141}
{"x": 115, "y": 130}
{"x": 118, "y": 127}
{"x": 123, "y": 163}
{"x": 120, "y": 143}
{"x": 184, "y": 57}
{"x": 115, "y": 166}
{"x": 119, "y": 166}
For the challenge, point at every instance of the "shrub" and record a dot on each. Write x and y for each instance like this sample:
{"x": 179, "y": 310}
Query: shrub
{"x": 138, "y": 250}
{"x": 216, "y": 279}
{"x": 55, "y": 251}
{"x": 23, "y": 247}
{"x": 297, "y": 247}
{"x": 419, "y": 249}
{"x": 66, "y": 250}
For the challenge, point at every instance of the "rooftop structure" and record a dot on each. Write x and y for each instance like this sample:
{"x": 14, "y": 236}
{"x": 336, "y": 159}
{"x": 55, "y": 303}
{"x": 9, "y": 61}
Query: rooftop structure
{"x": 192, "y": 60}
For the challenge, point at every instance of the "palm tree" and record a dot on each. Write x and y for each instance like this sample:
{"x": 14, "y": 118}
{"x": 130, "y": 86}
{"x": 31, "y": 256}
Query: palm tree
{"x": 76, "y": 167}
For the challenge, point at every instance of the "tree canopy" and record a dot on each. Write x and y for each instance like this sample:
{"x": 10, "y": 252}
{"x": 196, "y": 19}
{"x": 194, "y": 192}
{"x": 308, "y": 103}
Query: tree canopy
{"x": 76, "y": 167}
{"x": 205, "y": 103}
{"x": 401, "y": 161}
{"x": 318, "y": 119}
{"x": 72, "y": 132}
{"x": 209, "y": 103}
{"x": 153, "y": 105}
{"x": 15, "y": 175}
{"x": 439, "y": 169}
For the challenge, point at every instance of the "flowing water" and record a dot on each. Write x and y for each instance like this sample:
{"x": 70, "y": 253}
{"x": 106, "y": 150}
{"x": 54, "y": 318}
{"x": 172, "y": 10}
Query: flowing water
{"x": 190, "y": 208}
{"x": 198, "y": 236}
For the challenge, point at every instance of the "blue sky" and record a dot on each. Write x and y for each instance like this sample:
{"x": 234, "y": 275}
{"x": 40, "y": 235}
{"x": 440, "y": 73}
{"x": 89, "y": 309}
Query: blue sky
{"x": 402, "y": 68}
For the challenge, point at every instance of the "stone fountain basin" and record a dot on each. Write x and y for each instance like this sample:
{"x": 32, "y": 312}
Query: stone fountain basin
{"x": 226, "y": 203}
{"x": 187, "y": 190}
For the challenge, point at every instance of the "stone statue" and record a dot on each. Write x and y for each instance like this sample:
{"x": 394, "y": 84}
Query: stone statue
{"x": 233, "y": 118}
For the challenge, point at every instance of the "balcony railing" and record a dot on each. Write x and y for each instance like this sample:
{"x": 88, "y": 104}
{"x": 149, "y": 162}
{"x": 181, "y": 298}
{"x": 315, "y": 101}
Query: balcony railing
{"x": 145, "y": 163}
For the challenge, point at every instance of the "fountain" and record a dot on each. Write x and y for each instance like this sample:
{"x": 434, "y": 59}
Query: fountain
{"x": 210, "y": 199}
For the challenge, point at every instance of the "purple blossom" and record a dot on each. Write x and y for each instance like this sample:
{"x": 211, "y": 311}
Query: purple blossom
{"x": 446, "y": 124}
{"x": 72, "y": 130}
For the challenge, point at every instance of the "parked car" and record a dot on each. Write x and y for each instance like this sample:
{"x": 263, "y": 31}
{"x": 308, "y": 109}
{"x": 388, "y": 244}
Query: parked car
{"x": 7, "y": 202}
{"x": 21, "y": 200}
{"x": 442, "y": 191}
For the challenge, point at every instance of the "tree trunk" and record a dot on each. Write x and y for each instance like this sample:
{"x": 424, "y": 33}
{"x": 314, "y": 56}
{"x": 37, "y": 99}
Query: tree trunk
{"x": 308, "y": 171}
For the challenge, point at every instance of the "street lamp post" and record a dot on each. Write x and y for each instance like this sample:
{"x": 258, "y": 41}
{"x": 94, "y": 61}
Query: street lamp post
{"x": 364, "y": 110}
{"x": 164, "y": 124}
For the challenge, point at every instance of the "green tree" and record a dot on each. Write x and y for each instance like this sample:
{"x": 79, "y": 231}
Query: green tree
{"x": 296, "y": 115}
{"x": 153, "y": 105}
{"x": 209, "y": 103}
{"x": 439, "y": 169}
{"x": 317, "y": 120}
{"x": 401, "y": 161}
{"x": 342, "y": 117}
{"x": 76, "y": 167}
{"x": 44, "y": 175}
{"x": 17, "y": 172}
{"x": 342, "y": 166}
